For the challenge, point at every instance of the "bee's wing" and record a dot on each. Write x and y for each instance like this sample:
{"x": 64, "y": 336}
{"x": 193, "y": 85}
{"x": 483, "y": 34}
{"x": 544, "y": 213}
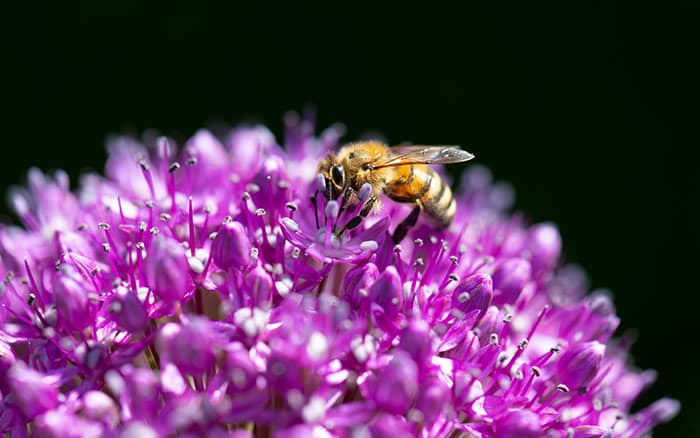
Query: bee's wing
{"x": 403, "y": 155}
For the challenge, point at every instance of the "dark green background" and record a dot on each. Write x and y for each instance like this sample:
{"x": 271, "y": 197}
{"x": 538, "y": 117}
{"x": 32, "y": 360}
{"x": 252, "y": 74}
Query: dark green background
{"x": 590, "y": 111}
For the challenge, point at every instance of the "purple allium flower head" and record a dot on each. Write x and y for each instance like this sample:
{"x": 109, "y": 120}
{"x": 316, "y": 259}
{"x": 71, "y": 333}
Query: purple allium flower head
{"x": 204, "y": 290}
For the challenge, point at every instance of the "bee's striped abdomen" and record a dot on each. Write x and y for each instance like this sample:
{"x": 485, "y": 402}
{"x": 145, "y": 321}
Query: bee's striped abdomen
{"x": 418, "y": 182}
{"x": 438, "y": 202}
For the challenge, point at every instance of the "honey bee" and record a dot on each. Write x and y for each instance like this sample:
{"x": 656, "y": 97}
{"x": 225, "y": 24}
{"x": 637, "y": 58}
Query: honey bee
{"x": 400, "y": 172}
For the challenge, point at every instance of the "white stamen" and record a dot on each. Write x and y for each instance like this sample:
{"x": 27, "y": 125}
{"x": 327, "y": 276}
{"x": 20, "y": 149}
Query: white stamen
{"x": 369, "y": 245}
{"x": 314, "y": 410}
{"x": 317, "y": 346}
{"x": 291, "y": 224}
{"x": 295, "y": 398}
{"x": 196, "y": 265}
{"x": 362, "y": 348}
{"x": 284, "y": 286}
{"x": 463, "y": 297}
{"x": 251, "y": 324}
{"x": 364, "y": 192}
{"x": 115, "y": 382}
{"x": 332, "y": 208}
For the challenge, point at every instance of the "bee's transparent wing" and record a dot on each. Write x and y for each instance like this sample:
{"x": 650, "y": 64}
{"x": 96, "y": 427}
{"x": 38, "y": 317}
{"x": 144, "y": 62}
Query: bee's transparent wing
{"x": 404, "y": 155}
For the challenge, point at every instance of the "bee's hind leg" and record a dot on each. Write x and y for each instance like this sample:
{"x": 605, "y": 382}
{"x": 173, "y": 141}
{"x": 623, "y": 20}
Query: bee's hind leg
{"x": 364, "y": 211}
{"x": 406, "y": 224}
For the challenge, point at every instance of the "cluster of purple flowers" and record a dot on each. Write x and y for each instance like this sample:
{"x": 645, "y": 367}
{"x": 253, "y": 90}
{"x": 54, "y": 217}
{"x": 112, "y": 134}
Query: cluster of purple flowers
{"x": 196, "y": 291}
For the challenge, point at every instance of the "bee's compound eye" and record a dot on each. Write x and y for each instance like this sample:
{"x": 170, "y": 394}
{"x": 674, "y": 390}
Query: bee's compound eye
{"x": 338, "y": 176}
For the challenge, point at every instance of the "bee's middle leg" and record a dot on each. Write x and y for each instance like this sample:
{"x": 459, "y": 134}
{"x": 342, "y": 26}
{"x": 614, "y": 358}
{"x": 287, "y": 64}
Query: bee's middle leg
{"x": 406, "y": 224}
{"x": 364, "y": 211}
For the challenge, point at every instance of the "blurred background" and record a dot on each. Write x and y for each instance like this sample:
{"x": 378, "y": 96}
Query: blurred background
{"x": 586, "y": 110}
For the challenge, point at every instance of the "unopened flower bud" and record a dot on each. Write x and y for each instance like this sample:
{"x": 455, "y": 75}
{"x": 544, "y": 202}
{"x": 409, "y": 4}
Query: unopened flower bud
{"x": 544, "y": 243}
{"x": 100, "y": 407}
{"x": 249, "y": 146}
{"x": 509, "y": 278}
{"x": 580, "y": 363}
{"x": 432, "y": 398}
{"x": 231, "y": 247}
{"x": 207, "y": 149}
{"x": 240, "y": 370}
{"x": 474, "y": 293}
{"x": 658, "y": 412}
{"x": 357, "y": 282}
{"x": 35, "y": 392}
{"x": 191, "y": 346}
{"x": 141, "y": 387}
{"x": 271, "y": 173}
{"x": 396, "y": 385}
{"x": 259, "y": 286}
{"x": 469, "y": 346}
{"x": 386, "y": 291}
{"x": 416, "y": 340}
{"x": 127, "y": 311}
{"x": 166, "y": 270}
{"x": 73, "y": 307}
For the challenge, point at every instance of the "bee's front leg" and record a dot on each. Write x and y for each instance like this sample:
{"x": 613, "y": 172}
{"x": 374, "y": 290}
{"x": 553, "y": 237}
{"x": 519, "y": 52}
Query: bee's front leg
{"x": 406, "y": 224}
{"x": 347, "y": 196}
